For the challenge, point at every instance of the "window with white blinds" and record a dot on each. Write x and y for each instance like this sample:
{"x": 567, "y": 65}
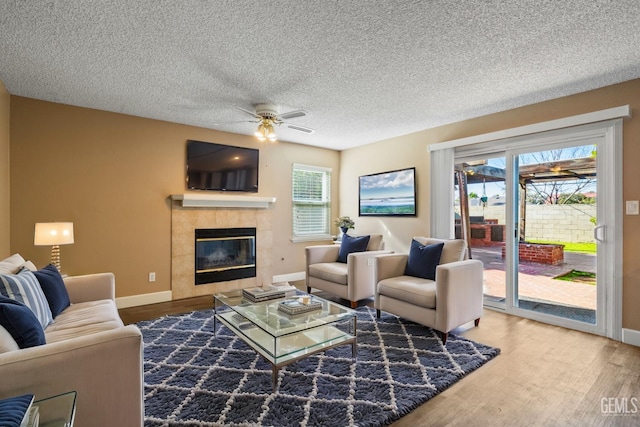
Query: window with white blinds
{"x": 311, "y": 202}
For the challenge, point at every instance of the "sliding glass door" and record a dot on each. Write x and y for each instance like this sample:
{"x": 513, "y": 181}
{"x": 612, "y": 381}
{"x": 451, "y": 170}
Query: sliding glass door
{"x": 480, "y": 218}
{"x": 556, "y": 217}
{"x": 540, "y": 212}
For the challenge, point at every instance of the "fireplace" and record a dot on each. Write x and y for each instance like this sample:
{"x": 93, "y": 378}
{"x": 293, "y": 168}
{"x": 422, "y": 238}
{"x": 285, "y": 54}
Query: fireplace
{"x": 193, "y": 211}
{"x": 223, "y": 254}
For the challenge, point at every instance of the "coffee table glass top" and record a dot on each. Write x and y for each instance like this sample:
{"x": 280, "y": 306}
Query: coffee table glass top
{"x": 283, "y": 338}
{"x": 266, "y": 315}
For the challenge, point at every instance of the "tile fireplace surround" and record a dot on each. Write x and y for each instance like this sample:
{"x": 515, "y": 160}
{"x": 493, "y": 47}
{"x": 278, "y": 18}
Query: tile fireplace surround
{"x": 192, "y": 211}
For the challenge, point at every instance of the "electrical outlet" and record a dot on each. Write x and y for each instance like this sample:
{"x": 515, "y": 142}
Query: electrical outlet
{"x": 633, "y": 207}
{"x": 152, "y": 276}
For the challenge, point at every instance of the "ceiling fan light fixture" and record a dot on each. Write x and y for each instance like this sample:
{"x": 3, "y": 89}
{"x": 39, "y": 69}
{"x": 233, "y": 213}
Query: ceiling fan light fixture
{"x": 266, "y": 131}
{"x": 268, "y": 117}
{"x": 271, "y": 133}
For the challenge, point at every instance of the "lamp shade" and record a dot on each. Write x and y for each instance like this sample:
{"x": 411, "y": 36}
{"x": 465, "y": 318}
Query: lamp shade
{"x": 53, "y": 233}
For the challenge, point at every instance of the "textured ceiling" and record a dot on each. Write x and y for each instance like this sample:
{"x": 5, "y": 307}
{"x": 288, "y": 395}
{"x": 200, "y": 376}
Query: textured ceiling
{"x": 363, "y": 70}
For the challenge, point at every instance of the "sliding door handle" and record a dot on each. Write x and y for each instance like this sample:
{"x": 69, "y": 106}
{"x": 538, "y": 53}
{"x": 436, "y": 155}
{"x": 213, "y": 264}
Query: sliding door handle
{"x": 598, "y": 233}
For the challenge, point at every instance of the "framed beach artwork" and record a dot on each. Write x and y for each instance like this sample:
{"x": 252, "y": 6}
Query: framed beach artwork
{"x": 388, "y": 193}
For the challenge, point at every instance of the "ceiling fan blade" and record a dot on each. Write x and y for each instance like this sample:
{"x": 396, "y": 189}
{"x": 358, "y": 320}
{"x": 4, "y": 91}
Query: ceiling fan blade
{"x": 299, "y": 128}
{"x": 292, "y": 114}
{"x": 251, "y": 113}
{"x": 233, "y": 122}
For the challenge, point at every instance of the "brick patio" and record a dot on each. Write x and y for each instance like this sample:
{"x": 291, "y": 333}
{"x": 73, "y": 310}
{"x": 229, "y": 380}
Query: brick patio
{"x": 536, "y": 281}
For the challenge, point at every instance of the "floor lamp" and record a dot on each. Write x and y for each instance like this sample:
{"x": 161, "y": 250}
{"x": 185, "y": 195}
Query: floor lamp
{"x": 53, "y": 234}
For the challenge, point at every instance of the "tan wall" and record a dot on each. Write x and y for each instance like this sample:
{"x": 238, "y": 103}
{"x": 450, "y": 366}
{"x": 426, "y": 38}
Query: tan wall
{"x": 111, "y": 174}
{"x": 4, "y": 172}
{"x": 398, "y": 153}
{"x": 411, "y": 150}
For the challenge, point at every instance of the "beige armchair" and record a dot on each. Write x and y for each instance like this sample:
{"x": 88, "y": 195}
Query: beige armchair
{"x": 451, "y": 300}
{"x": 352, "y": 281}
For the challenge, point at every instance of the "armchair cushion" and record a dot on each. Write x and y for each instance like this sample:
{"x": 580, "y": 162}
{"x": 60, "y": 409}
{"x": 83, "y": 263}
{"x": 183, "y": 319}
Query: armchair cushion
{"x": 330, "y": 271}
{"x": 375, "y": 242}
{"x": 54, "y": 289}
{"x": 410, "y": 289}
{"x": 23, "y": 326}
{"x": 423, "y": 260}
{"x": 352, "y": 244}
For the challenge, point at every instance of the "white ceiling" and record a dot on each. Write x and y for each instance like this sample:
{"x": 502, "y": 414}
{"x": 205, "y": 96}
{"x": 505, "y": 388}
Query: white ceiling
{"x": 363, "y": 70}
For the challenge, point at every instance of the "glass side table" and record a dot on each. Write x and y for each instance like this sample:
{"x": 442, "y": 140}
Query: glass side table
{"x": 57, "y": 411}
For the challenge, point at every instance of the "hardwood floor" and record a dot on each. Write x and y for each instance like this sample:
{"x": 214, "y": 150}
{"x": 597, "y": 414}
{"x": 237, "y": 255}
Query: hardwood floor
{"x": 544, "y": 376}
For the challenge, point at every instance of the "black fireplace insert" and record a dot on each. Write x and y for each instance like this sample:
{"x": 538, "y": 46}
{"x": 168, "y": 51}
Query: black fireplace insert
{"x": 224, "y": 254}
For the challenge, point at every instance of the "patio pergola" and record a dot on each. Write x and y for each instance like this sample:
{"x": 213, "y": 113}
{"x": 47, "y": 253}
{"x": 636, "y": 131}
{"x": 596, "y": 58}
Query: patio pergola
{"x": 559, "y": 170}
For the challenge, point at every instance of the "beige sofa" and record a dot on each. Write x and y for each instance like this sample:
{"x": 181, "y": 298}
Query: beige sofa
{"x": 451, "y": 300}
{"x": 88, "y": 349}
{"x": 352, "y": 280}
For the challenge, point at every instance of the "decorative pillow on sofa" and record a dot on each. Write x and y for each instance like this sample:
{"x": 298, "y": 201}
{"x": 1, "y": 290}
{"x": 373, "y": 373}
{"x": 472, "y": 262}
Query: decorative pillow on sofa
{"x": 21, "y": 323}
{"x": 24, "y": 287}
{"x": 14, "y": 263}
{"x": 423, "y": 260}
{"x": 53, "y": 288}
{"x": 352, "y": 244}
{"x": 11, "y": 265}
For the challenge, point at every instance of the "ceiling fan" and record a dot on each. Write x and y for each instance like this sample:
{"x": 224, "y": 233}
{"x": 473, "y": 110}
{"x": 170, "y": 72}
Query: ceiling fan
{"x": 268, "y": 117}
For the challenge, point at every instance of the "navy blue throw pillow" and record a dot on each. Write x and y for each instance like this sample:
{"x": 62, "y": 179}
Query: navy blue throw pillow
{"x": 423, "y": 260}
{"x": 21, "y": 323}
{"x": 352, "y": 244}
{"x": 14, "y": 409}
{"x": 54, "y": 289}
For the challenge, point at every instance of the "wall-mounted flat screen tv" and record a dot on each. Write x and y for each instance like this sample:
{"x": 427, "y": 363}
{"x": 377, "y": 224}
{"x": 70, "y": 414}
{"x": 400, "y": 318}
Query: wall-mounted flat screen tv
{"x": 390, "y": 193}
{"x": 220, "y": 167}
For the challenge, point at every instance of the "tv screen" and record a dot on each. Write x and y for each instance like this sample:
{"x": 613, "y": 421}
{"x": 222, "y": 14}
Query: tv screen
{"x": 221, "y": 167}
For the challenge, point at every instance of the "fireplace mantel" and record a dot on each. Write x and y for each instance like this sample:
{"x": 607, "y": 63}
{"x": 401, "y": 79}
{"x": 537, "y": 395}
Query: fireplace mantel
{"x": 197, "y": 200}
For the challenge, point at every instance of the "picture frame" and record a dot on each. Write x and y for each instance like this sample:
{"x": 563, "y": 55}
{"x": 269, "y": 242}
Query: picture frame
{"x": 391, "y": 193}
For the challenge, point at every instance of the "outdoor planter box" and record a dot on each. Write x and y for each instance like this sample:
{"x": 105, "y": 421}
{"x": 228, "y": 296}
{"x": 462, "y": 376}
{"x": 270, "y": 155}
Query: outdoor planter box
{"x": 539, "y": 252}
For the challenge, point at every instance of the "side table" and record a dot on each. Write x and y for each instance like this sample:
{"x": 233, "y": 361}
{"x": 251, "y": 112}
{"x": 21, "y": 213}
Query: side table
{"x": 57, "y": 411}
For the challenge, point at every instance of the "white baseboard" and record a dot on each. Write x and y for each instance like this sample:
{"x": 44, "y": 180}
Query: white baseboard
{"x": 144, "y": 299}
{"x": 290, "y": 277}
{"x": 631, "y": 336}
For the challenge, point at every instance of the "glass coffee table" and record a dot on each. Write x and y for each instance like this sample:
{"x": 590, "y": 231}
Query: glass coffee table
{"x": 283, "y": 338}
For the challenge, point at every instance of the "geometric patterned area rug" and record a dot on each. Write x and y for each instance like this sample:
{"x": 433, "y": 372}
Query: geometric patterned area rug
{"x": 194, "y": 377}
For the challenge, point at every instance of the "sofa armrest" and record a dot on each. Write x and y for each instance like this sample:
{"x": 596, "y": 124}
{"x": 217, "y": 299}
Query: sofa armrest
{"x": 104, "y": 368}
{"x": 91, "y": 287}
{"x": 459, "y": 293}
{"x": 361, "y": 274}
{"x": 392, "y": 265}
